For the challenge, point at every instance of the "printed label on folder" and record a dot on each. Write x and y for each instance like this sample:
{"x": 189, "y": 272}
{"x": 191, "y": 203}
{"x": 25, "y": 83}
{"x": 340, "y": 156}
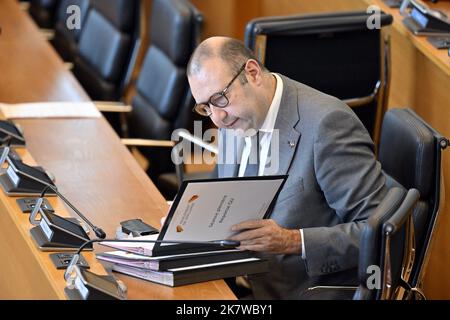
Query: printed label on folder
{"x": 207, "y": 210}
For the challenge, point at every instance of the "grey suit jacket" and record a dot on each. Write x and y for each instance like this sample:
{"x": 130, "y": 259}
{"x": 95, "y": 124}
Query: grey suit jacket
{"x": 333, "y": 186}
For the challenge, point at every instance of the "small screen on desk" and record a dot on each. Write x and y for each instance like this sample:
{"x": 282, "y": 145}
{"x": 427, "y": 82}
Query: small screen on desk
{"x": 419, "y": 17}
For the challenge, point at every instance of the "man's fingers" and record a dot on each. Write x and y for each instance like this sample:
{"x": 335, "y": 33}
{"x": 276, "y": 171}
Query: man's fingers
{"x": 248, "y": 235}
{"x": 249, "y": 224}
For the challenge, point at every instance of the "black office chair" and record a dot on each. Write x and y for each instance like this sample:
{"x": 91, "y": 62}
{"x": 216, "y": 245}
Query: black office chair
{"x": 163, "y": 101}
{"x": 43, "y": 12}
{"x": 410, "y": 155}
{"x": 335, "y": 53}
{"x": 107, "y": 50}
{"x": 65, "y": 40}
{"x": 106, "y": 45}
{"x": 390, "y": 248}
{"x": 385, "y": 251}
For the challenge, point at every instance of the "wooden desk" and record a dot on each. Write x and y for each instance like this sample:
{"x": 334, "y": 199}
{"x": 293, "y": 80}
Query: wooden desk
{"x": 92, "y": 168}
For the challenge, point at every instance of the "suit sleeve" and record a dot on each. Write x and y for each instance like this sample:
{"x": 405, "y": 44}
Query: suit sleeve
{"x": 353, "y": 185}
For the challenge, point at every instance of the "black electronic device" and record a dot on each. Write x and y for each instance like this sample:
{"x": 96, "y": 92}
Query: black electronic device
{"x": 86, "y": 285}
{"x": 422, "y": 20}
{"x": 27, "y": 205}
{"x": 137, "y": 227}
{"x": 13, "y": 132}
{"x": 61, "y": 260}
{"x": 439, "y": 42}
{"x": 55, "y": 233}
{"x": 20, "y": 179}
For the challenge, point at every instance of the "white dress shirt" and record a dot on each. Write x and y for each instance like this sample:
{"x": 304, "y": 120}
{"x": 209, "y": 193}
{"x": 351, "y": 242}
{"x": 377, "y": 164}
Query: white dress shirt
{"x": 265, "y": 138}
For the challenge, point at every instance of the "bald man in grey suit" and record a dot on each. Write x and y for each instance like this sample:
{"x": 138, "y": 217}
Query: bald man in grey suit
{"x": 334, "y": 181}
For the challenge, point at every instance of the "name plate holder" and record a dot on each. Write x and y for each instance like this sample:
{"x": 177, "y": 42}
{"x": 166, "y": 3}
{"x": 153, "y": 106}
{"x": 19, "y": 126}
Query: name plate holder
{"x": 20, "y": 179}
{"x": 81, "y": 284}
{"x": 55, "y": 233}
{"x": 13, "y": 132}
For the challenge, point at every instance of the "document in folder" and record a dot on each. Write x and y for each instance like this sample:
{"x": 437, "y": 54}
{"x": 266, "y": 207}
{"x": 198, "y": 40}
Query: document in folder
{"x": 49, "y": 110}
{"x": 205, "y": 210}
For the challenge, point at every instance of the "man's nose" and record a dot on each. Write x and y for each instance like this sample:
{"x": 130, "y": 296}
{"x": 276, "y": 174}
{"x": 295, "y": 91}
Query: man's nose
{"x": 219, "y": 113}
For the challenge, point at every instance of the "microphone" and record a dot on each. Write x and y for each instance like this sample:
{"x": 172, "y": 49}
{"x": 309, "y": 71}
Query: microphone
{"x": 98, "y": 231}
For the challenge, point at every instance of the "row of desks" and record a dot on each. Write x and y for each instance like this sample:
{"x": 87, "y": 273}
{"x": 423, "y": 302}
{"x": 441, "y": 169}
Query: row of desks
{"x": 92, "y": 169}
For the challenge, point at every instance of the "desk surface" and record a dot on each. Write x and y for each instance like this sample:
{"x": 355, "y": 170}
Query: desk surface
{"x": 92, "y": 169}
{"x": 439, "y": 57}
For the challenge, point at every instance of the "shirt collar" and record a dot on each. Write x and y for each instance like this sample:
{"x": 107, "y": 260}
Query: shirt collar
{"x": 271, "y": 117}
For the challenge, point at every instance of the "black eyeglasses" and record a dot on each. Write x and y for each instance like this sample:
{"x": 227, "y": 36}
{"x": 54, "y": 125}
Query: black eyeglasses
{"x": 218, "y": 99}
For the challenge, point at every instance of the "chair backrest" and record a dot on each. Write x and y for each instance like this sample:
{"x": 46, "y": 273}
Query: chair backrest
{"x": 410, "y": 155}
{"x": 371, "y": 244}
{"x": 106, "y": 45}
{"x": 43, "y": 12}
{"x": 163, "y": 101}
{"x": 66, "y": 39}
{"x": 335, "y": 53}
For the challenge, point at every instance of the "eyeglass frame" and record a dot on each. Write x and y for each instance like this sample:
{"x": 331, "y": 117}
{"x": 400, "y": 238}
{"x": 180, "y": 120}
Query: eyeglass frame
{"x": 221, "y": 93}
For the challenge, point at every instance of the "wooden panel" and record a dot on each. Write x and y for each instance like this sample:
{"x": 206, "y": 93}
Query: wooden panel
{"x": 229, "y": 17}
{"x": 218, "y": 17}
{"x": 284, "y": 7}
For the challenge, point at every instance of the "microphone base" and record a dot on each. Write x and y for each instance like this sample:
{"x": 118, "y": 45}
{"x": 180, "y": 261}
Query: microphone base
{"x": 43, "y": 244}
{"x": 18, "y": 191}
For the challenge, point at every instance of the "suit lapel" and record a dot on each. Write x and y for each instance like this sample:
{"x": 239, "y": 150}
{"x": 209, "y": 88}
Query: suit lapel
{"x": 287, "y": 119}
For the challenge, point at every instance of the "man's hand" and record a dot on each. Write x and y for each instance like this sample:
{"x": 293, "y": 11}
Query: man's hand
{"x": 267, "y": 236}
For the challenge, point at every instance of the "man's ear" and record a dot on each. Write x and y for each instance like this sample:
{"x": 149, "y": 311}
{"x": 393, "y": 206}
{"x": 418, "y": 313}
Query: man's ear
{"x": 253, "y": 71}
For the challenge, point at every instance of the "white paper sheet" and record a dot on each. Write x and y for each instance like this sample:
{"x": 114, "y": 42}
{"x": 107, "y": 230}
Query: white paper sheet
{"x": 49, "y": 110}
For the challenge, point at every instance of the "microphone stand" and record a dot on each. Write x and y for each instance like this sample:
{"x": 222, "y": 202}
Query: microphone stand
{"x": 98, "y": 231}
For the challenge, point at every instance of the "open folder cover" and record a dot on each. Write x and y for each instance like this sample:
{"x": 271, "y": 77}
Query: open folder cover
{"x": 199, "y": 273}
{"x": 205, "y": 210}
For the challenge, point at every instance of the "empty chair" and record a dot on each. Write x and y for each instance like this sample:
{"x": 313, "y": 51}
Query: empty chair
{"x": 336, "y": 53}
{"x": 106, "y": 45}
{"x": 163, "y": 100}
{"x": 66, "y": 38}
{"x": 43, "y": 12}
{"x": 410, "y": 155}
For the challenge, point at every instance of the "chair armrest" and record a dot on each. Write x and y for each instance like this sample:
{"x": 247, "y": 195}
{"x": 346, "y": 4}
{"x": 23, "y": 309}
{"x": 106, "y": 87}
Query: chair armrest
{"x": 344, "y": 292}
{"x": 148, "y": 143}
{"x": 361, "y": 101}
{"x": 112, "y": 106}
{"x": 47, "y": 34}
{"x": 195, "y": 140}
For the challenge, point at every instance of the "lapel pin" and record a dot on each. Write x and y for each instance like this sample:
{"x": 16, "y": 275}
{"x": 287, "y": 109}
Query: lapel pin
{"x": 291, "y": 144}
